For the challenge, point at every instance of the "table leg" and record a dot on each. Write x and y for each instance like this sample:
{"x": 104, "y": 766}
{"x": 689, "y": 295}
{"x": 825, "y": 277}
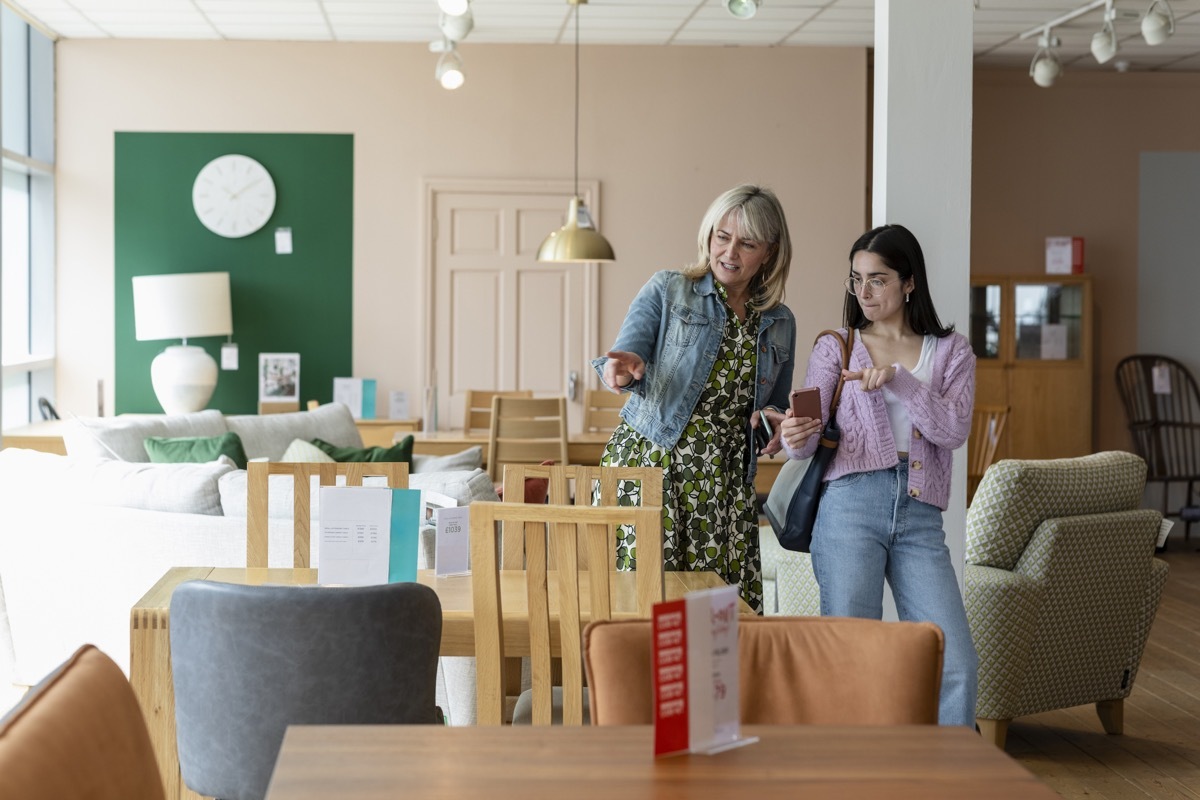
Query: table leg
{"x": 151, "y": 679}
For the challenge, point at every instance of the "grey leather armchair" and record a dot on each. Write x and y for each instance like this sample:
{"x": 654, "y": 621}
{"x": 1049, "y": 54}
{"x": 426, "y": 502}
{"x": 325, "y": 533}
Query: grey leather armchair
{"x": 250, "y": 660}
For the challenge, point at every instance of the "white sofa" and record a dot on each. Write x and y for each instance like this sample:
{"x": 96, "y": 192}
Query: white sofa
{"x": 84, "y": 536}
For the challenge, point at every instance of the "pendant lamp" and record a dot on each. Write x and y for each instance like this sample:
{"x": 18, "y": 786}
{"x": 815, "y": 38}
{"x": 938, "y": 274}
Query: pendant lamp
{"x": 577, "y": 242}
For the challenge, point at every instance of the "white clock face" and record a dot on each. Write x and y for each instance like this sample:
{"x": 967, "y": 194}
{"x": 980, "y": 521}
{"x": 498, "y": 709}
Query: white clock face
{"x": 233, "y": 196}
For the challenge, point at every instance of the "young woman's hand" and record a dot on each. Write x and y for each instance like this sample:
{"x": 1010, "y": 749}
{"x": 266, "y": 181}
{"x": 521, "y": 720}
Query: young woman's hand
{"x": 622, "y": 369}
{"x": 797, "y": 430}
{"x": 871, "y": 378}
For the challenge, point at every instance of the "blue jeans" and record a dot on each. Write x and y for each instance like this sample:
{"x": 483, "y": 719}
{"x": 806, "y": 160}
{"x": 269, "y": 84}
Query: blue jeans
{"x": 869, "y": 529}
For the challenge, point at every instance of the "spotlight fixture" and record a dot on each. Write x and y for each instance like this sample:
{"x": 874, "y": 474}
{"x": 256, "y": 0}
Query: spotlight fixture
{"x": 742, "y": 9}
{"x": 456, "y": 28}
{"x": 1045, "y": 67}
{"x": 449, "y": 70}
{"x": 1104, "y": 41}
{"x": 578, "y": 241}
{"x": 454, "y": 8}
{"x": 1157, "y": 26}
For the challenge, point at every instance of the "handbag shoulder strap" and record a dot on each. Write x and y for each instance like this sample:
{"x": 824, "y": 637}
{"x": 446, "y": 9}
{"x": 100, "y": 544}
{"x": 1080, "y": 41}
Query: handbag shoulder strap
{"x": 847, "y": 344}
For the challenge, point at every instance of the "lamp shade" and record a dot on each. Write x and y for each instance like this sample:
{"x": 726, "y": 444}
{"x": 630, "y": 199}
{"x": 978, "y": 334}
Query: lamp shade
{"x": 181, "y": 306}
{"x": 578, "y": 241}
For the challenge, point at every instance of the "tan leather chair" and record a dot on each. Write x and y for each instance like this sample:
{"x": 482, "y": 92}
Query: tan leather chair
{"x": 79, "y": 733}
{"x": 793, "y": 671}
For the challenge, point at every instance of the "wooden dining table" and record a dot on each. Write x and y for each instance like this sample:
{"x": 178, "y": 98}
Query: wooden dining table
{"x": 150, "y": 645}
{"x": 374, "y": 762}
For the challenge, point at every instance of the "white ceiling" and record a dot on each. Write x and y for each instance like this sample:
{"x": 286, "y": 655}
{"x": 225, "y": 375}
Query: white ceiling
{"x": 848, "y": 23}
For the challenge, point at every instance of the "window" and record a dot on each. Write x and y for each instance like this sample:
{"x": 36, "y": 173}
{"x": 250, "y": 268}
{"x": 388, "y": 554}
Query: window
{"x": 26, "y": 218}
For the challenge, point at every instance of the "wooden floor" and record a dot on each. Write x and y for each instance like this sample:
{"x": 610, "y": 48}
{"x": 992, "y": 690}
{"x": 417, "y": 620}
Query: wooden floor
{"x": 1159, "y": 754}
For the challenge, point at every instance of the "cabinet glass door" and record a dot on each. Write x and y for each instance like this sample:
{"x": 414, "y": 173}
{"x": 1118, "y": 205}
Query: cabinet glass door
{"x": 1049, "y": 321}
{"x": 985, "y": 320}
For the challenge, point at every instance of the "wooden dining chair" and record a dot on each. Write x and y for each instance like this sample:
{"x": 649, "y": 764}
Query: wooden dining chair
{"x": 258, "y": 483}
{"x": 602, "y": 410}
{"x": 987, "y": 425}
{"x": 526, "y": 430}
{"x": 574, "y": 485}
{"x": 791, "y": 671}
{"x": 477, "y": 415}
{"x": 569, "y": 596}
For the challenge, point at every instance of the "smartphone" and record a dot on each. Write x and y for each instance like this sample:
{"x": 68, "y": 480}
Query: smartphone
{"x": 763, "y": 433}
{"x": 806, "y": 402}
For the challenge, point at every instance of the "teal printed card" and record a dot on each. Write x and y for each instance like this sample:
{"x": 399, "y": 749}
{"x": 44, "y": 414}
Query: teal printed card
{"x": 406, "y": 527}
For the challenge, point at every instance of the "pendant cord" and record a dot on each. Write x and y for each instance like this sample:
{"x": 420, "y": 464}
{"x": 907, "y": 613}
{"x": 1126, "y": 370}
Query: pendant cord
{"x": 577, "y": 100}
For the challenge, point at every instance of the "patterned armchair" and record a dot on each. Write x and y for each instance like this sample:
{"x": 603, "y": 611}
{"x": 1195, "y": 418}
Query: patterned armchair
{"x": 1061, "y": 586}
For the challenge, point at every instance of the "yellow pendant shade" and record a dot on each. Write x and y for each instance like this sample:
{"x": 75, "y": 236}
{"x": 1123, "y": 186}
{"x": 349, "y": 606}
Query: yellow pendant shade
{"x": 576, "y": 242}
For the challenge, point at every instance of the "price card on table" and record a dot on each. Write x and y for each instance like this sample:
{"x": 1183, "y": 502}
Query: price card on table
{"x": 695, "y": 673}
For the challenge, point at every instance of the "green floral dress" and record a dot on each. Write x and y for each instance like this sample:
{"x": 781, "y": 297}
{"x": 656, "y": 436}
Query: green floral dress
{"x": 710, "y": 522}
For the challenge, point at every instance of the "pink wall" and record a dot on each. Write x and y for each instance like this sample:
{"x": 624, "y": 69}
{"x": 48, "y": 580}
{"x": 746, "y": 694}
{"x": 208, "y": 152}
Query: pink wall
{"x": 664, "y": 129}
{"x": 1064, "y": 162}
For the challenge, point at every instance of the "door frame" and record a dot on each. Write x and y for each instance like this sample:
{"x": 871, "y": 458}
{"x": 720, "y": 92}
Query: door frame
{"x": 589, "y": 190}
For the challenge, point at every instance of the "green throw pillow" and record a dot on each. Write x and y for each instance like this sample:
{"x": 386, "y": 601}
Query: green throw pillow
{"x": 195, "y": 449}
{"x": 401, "y": 451}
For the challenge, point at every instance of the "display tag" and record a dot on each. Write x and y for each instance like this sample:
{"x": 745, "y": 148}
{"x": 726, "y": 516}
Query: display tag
{"x": 1161, "y": 377}
{"x": 229, "y": 356}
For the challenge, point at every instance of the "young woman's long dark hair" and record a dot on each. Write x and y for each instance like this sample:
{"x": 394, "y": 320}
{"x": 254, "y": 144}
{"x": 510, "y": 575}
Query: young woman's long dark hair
{"x": 898, "y": 249}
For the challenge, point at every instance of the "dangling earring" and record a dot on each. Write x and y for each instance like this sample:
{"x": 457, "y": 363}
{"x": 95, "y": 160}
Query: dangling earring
{"x": 906, "y": 295}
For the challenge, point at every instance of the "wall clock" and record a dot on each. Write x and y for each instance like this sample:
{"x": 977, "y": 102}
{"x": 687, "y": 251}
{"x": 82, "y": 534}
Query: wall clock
{"x": 233, "y": 196}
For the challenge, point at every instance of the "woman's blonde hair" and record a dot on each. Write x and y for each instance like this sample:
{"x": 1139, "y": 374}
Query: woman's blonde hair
{"x": 760, "y": 217}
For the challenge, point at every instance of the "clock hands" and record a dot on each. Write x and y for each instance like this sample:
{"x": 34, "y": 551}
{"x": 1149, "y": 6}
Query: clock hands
{"x": 234, "y": 195}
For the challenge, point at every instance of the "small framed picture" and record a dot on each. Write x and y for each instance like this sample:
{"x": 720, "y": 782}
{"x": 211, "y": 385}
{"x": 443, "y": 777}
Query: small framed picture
{"x": 278, "y": 377}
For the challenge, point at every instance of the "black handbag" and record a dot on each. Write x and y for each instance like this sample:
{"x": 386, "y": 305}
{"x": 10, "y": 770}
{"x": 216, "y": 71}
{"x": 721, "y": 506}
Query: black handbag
{"x": 795, "y": 532}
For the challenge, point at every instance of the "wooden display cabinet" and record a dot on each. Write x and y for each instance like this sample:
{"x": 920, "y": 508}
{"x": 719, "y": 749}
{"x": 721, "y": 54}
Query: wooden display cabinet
{"x": 1032, "y": 336}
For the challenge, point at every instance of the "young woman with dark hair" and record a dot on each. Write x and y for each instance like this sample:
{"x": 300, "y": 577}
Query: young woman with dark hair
{"x": 905, "y": 408}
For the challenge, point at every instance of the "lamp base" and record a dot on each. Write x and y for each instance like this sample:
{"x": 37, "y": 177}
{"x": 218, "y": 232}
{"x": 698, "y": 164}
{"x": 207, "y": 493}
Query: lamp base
{"x": 184, "y": 377}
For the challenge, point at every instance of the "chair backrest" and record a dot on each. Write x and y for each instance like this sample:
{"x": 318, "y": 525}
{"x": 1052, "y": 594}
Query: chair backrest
{"x": 477, "y": 405}
{"x": 556, "y": 594}
{"x": 987, "y": 425}
{"x": 602, "y": 410}
{"x": 258, "y": 482}
{"x": 1162, "y": 407}
{"x": 578, "y": 485}
{"x": 526, "y": 430}
{"x": 250, "y": 660}
{"x": 792, "y": 671}
{"x": 79, "y": 733}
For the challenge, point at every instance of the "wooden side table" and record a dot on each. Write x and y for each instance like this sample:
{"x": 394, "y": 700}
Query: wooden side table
{"x": 45, "y": 436}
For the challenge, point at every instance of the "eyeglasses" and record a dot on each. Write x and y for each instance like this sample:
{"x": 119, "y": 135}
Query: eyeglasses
{"x": 867, "y": 288}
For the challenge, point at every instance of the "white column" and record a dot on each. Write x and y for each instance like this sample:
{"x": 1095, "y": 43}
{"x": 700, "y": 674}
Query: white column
{"x": 922, "y": 162}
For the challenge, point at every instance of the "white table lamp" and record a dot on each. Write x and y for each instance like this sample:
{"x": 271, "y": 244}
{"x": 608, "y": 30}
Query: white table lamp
{"x": 182, "y": 306}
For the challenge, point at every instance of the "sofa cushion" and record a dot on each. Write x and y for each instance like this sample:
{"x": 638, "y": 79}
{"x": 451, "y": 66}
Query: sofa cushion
{"x": 270, "y": 434}
{"x": 122, "y": 437}
{"x": 302, "y": 452}
{"x": 186, "y": 488}
{"x": 471, "y": 458}
{"x": 399, "y": 452}
{"x": 195, "y": 449}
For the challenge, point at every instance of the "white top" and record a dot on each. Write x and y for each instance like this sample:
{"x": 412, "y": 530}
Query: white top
{"x": 897, "y": 413}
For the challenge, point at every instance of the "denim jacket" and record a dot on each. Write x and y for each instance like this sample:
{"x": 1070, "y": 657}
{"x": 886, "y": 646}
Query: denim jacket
{"x": 675, "y": 325}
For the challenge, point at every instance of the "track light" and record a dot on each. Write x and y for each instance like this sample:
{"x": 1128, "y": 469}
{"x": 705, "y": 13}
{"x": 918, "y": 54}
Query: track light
{"x": 449, "y": 71}
{"x": 454, "y": 8}
{"x": 1104, "y": 41}
{"x": 742, "y": 9}
{"x": 456, "y": 28}
{"x": 1045, "y": 67}
{"x": 1157, "y": 26}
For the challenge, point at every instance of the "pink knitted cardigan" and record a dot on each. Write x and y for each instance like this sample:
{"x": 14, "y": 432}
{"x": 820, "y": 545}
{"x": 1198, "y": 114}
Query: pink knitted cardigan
{"x": 940, "y": 415}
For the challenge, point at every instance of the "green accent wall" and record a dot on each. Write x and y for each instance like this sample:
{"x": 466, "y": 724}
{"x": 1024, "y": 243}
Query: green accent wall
{"x": 297, "y": 303}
